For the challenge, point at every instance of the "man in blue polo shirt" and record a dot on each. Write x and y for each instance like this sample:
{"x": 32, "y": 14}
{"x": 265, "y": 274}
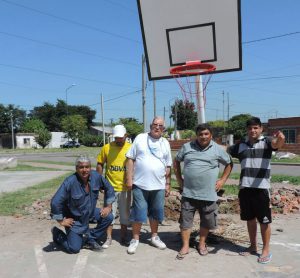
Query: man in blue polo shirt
{"x": 255, "y": 155}
{"x": 199, "y": 185}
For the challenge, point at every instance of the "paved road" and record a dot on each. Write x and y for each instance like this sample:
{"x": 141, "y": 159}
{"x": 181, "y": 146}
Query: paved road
{"x": 290, "y": 170}
{"x": 22, "y": 241}
{"x": 12, "y": 181}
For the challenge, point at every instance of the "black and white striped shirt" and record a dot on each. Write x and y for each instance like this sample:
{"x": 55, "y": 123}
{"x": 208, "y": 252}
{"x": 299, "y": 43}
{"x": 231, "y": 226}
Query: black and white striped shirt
{"x": 255, "y": 162}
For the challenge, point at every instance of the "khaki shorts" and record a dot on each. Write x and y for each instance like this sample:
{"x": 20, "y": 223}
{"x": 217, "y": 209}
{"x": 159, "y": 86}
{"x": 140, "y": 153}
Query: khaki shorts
{"x": 207, "y": 209}
{"x": 123, "y": 203}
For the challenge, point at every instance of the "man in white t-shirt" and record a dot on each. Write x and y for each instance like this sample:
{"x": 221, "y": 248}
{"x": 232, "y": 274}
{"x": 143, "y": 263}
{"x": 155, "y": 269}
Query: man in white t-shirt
{"x": 148, "y": 173}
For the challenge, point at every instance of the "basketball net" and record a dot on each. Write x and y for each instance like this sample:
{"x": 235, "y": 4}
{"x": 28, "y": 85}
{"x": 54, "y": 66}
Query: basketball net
{"x": 193, "y": 89}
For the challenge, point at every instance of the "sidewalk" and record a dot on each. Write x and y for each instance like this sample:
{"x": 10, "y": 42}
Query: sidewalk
{"x": 22, "y": 241}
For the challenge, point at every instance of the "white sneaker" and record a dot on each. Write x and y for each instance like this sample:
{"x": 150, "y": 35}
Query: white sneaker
{"x": 107, "y": 243}
{"x": 132, "y": 246}
{"x": 156, "y": 241}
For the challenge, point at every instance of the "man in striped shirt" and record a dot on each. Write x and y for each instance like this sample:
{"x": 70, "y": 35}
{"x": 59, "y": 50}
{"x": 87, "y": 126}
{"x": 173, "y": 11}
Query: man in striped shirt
{"x": 255, "y": 155}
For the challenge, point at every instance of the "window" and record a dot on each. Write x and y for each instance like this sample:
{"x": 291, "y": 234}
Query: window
{"x": 26, "y": 141}
{"x": 290, "y": 136}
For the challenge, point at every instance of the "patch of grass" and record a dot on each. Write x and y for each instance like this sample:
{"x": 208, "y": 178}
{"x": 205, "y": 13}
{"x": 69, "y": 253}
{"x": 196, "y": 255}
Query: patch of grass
{"x": 52, "y": 162}
{"x": 12, "y": 203}
{"x": 90, "y": 151}
{"x": 287, "y": 160}
{"x": 291, "y": 179}
{"x": 24, "y": 167}
{"x": 274, "y": 178}
{"x": 231, "y": 189}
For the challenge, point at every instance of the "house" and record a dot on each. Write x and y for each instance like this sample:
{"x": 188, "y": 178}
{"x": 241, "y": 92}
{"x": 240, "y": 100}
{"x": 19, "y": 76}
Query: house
{"x": 27, "y": 140}
{"x": 290, "y": 128}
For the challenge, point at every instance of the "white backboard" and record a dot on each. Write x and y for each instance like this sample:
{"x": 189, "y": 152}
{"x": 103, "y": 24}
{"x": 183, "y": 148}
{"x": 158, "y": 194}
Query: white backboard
{"x": 177, "y": 31}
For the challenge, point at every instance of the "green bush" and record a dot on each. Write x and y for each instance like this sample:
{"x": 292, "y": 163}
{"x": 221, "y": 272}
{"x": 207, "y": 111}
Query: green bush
{"x": 90, "y": 140}
{"x": 187, "y": 134}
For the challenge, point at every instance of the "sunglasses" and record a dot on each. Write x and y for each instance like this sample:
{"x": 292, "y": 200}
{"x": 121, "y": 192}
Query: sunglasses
{"x": 158, "y": 125}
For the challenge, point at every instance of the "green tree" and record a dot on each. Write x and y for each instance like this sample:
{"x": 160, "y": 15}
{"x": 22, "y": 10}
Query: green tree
{"x": 43, "y": 137}
{"x": 32, "y": 125}
{"x": 218, "y": 127}
{"x": 52, "y": 115}
{"x": 132, "y": 125}
{"x": 42, "y": 134}
{"x": 74, "y": 126}
{"x": 186, "y": 114}
{"x": 8, "y": 113}
{"x": 237, "y": 125}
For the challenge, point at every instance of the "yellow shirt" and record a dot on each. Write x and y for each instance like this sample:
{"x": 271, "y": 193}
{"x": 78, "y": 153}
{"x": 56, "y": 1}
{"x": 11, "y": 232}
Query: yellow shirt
{"x": 114, "y": 157}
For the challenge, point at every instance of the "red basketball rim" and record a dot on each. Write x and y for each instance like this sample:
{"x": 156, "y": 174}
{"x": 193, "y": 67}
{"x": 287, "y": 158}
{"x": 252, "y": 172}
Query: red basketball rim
{"x": 192, "y": 68}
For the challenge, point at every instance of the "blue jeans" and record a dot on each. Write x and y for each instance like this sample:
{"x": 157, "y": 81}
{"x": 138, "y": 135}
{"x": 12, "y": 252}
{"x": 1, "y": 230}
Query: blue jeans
{"x": 72, "y": 242}
{"x": 147, "y": 203}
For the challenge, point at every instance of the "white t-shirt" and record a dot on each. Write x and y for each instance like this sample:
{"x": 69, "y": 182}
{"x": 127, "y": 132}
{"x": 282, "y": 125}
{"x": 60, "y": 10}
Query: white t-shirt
{"x": 152, "y": 157}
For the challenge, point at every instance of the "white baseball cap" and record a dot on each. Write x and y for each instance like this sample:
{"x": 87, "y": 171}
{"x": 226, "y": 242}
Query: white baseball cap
{"x": 119, "y": 131}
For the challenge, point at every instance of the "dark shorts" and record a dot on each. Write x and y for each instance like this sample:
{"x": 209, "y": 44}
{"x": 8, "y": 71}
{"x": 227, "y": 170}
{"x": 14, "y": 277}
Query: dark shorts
{"x": 255, "y": 203}
{"x": 207, "y": 210}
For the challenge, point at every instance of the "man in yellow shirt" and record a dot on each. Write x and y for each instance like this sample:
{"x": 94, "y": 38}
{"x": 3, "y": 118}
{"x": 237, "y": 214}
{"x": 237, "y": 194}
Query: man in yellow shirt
{"x": 112, "y": 155}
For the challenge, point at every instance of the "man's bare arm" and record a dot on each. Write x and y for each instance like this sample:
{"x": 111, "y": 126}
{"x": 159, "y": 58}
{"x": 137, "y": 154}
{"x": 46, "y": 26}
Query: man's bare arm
{"x": 168, "y": 180}
{"x": 99, "y": 168}
{"x": 129, "y": 172}
{"x": 177, "y": 170}
{"x": 225, "y": 175}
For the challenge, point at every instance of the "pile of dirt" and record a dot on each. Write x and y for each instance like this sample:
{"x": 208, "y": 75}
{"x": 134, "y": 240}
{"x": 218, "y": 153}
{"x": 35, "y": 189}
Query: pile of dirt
{"x": 284, "y": 199}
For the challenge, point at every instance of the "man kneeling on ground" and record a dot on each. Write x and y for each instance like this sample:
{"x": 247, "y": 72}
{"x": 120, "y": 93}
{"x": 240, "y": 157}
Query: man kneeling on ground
{"x": 74, "y": 207}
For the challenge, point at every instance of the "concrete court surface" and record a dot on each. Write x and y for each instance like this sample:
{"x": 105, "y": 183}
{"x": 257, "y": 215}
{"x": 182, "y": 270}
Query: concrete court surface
{"x": 12, "y": 181}
{"x": 22, "y": 241}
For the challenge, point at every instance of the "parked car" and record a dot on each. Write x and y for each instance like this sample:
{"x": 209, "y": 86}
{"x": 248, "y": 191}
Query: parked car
{"x": 70, "y": 144}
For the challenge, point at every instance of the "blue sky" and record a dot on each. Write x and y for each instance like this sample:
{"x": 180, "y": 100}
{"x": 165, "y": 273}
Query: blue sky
{"x": 45, "y": 46}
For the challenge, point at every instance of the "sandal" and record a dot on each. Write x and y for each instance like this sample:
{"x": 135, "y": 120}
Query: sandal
{"x": 265, "y": 260}
{"x": 202, "y": 252}
{"x": 180, "y": 256}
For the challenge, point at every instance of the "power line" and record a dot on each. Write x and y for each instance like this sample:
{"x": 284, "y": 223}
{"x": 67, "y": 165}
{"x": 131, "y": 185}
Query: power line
{"x": 69, "y": 49}
{"x": 256, "y": 79}
{"x": 72, "y": 21}
{"x": 273, "y": 37}
{"x": 67, "y": 75}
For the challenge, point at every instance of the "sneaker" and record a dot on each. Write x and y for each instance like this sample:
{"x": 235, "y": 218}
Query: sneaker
{"x": 107, "y": 243}
{"x": 156, "y": 241}
{"x": 55, "y": 234}
{"x": 132, "y": 246}
{"x": 94, "y": 246}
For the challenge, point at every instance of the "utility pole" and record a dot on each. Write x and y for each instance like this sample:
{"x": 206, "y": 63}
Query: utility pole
{"x": 224, "y": 131}
{"x": 144, "y": 92}
{"x": 175, "y": 121}
{"x": 102, "y": 112}
{"x": 164, "y": 113}
{"x": 228, "y": 110}
{"x": 154, "y": 99}
{"x": 12, "y": 130}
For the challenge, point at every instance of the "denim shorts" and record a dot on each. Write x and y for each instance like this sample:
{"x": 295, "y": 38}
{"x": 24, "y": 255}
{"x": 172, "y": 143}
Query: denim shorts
{"x": 147, "y": 203}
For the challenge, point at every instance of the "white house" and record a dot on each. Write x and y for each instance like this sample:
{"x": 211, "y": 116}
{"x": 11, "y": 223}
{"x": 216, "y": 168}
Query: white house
{"x": 27, "y": 141}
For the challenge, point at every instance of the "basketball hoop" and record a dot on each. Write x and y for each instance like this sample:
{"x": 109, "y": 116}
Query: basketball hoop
{"x": 198, "y": 91}
{"x": 192, "y": 68}
{"x": 183, "y": 73}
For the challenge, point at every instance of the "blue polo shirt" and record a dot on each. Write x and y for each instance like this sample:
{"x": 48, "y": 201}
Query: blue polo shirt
{"x": 201, "y": 169}
{"x": 72, "y": 201}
